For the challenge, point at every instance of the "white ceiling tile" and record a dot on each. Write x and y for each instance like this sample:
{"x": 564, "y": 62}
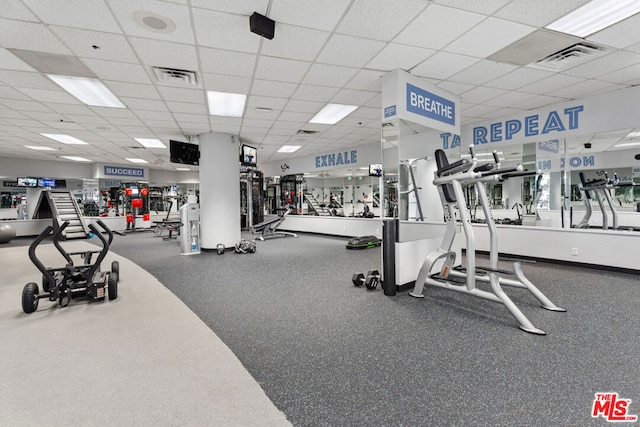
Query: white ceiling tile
{"x": 30, "y": 36}
{"x": 178, "y": 14}
{"x": 222, "y": 83}
{"x": 21, "y": 105}
{"x": 7, "y": 92}
{"x": 275, "y": 104}
{"x": 27, "y": 79}
{"x": 69, "y": 109}
{"x": 485, "y": 7}
{"x": 121, "y": 71}
{"x": 227, "y": 62}
{"x": 8, "y": 61}
{"x": 132, "y": 90}
{"x": 443, "y": 65}
{"x": 112, "y": 112}
{"x": 433, "y": 28}
{"x": 483, "y": 71}
{"x": 314, "y": 93}
{"x": 53, "y": 96}
{"x": 112, "y": 47}
{"x": 45, "y": 116}
{"x": 308, "y": 13}
{"x": 479, "y": 95}
{"x": 161, "y": 53}
{"x": 150, "y": 114}
{"x": 537, "y": 13}
{"x": 87, "y": 14}
{"x": 183, "y": 107}
{"x": 399, "y": 56}
{"x": 368, "y": 113}
{"x": 621, "y": 35}
{"x": 144, "y": 104}
{"x": 301, "y": 106}
{"x": 455, "y": 88}
{"x": 520, "y": 77}
{"x": 257, "y": 123}
{"x": 225, "y": 31}
{"x": 488, "y": 37}
{"x": 352, "y": 97}
{"x": 329, "y": 75}
{"x": 299, "y": 118}
{"x": 156, "y": 123}
{"x": 349, "y": 51}
{"x": 537, "y": 102}
{"x": 585, "y": 88}
{"x": 509, "y": 98}
{"x": 379, "y": 19}
{"x": 605, "y": 64}
{"x": 551, "y": 84}
{"x": 196, "y": 96}
{"x": 626, "y": 76}
{"x": 273, "y": 88}
{"x": 13, "y": 9}
{"x": 245, "y": 7}
{"x": 366, "y": 80}
{"x": 283, "y": 70}
{"x": 293, "y": 42}
{"x": 63, "y": 125}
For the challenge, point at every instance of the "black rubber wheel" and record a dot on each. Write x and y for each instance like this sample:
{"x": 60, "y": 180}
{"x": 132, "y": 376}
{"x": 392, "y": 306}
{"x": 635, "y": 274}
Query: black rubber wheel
{"x": 112, "y": 286}
{"x": 30, "y": 297}
{"x": 115, "y": 267}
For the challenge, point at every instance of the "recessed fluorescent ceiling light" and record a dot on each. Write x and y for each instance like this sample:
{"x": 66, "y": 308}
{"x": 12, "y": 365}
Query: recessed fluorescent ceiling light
{"x": 65, "y": 139}
{"x": 76, "y": 159}
{"x": 289, "y": 148}
{"x": 332, "y": 114}
{"x": 594, "y": 16}
{"x": 136, "y": 160}
{"x": 150, "y": 143}
{"x": 183, "y": 169}
{"x": 627, "y": 144}
{"x": 39, "y": 147}
{"x": 90, "y": 91}
{"x": 226, "y": 104}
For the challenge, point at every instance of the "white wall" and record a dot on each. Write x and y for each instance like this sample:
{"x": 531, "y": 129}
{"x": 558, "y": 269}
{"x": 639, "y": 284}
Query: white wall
{"x": 15, "y": 167}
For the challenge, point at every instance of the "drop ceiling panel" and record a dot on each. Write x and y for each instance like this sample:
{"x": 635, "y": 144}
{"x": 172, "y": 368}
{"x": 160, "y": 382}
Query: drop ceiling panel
{"x": 329, "y": 75}
{"x": 132, "y": 90}
{"x": 518, "y": 78}
{"x": 306, "y": 13}
{"x": 220, "y": 61}
{"x": 113, "y": 47}
{"x": 196, "y": 96}
{"x": 21, "y": 105}
{"x": 7, "y": 92}
{"x": 184, "y": 107}
{"x": 222, "y": 83}
{"x": 432, "y": 29}
{"x": 304, "y": 106}
{"x": 349, "y": 51}
{"x": 157, "y": 115}
{"x": 9, "y": 61}
{"x": 551, "y": 84}
{"x": 455, "y": 87}
{"x": 537, "y": 13}
{"x": 620, "y": 35}
{"x": 70, "y": 110}
{"x": 225, "y": 31}
{"x": 273, "y": 89}
{"x": 314, "y": 93}
{"x": 586, "y": 88}
{"x": 108, "y": 112}
{"x": 396, "y": 55}
{"x": 479, "y": 95}
{"x": 121, "y": 71}
{"x": 379, "y": 19}
{"x": 443, "y": 65}
{"x": 276, "y": 104}
{"x": 160, "y": 53}
{"x": 366, "y": 80}
{"x": 53, "y": 96}
{"x": 143, "y": 104}
{"x": 488, "y": 37}
{"x": 509, "y": 98}
{"x": 486, "y": 7}
{"x": 537, "y": 102}
{"x": 27, "y": 79}
{"x": 483, "y": 71}
{"x": 87, "y": 14}
{"x": 124, "y": 11}
{"x": 282, "y": 70}
{"x": 352, "y": 97}
{"x": 605, "y": 64}
{"x": 293, "y": 42}
{"x": 627, "y": 76}
{"x": 30, "y": 36}
{"x": 245, "y": 7}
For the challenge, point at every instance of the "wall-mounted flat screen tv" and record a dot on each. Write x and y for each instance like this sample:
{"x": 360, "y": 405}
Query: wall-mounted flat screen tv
{"x": 27, "y": 182}
{"x": 184, "y": 153}
{"x": 248, "y": 155}
{"x": 46, "y": 182}
{"x": 375, "y": 169}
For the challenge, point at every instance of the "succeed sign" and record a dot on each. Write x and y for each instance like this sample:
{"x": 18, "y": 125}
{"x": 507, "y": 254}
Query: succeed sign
{"x": 122, "y": 171}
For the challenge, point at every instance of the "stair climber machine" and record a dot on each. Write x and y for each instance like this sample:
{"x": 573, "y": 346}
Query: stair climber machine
{"x": 72, "y": 281}
{"x": 449, "y": 178}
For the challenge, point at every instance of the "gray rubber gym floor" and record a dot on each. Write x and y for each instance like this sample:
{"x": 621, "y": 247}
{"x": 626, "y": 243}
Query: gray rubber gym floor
{"x": 330, "y": 354}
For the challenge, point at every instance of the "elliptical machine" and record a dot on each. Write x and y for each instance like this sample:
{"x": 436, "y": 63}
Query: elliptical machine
{"x": 72, "y": 281}
{"x": 449, "y": 179}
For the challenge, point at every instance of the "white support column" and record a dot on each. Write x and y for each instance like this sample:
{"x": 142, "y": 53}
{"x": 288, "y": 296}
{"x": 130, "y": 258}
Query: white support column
{"x": 219, "y": 190}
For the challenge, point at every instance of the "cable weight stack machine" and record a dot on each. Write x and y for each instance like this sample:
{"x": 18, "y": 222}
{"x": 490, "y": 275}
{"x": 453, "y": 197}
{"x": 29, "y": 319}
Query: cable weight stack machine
{"x": 449, "y": 179}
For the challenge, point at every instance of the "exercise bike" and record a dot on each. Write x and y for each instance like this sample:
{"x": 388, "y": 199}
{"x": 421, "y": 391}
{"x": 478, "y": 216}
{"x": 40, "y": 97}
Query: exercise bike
{"x": 72, "y": 281}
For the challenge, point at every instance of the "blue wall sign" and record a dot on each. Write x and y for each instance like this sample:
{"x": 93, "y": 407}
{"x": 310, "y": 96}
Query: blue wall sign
{"x": 389, "y": 111}
{"x": 335, "y": 159}
{"x": 123, "y": 171}
{"x": 432, "y": 106}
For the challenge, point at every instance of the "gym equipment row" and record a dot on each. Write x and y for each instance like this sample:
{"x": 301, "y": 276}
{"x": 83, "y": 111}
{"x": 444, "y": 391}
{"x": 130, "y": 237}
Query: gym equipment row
{"x": 449, "y": 179}
{"x": 599, "y": 189}
{"x": 72, "y": 281}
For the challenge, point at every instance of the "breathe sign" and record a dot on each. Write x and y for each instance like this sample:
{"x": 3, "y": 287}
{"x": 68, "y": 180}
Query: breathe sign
{"x": 430, "y": 105}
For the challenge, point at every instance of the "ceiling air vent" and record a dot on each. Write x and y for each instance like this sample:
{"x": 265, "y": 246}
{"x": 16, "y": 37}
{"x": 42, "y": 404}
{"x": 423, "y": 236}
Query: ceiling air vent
{"x": 174, "y": 75}
{"x": 570, "y": 56}
{"x": 304, "y": 132}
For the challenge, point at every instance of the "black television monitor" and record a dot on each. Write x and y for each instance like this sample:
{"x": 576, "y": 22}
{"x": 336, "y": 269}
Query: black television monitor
{"x": 248, "y": 155}
{"x": 46, "y": 182}
{"x": 61, "y": 183}
{"x": 184, "y": 153}
{"x": 375, "y": 169}
{"x": 27, "y": 182}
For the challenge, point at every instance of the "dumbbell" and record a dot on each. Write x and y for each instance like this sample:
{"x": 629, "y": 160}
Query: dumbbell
{"x": 370, "y": 280}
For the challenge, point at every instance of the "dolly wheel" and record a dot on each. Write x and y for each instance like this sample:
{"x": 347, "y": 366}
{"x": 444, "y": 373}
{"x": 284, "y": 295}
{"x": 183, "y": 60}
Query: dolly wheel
{"x": 30, "y": 297}
{"x": 115, "y": 267}
{"x": 112, "y": 286}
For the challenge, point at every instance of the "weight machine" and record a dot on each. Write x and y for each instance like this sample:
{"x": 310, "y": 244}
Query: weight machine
{"x": 449, "y": 178}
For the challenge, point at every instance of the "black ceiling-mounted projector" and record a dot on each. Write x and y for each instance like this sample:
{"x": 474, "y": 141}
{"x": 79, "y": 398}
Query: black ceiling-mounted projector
{"x": 262, "y": 25}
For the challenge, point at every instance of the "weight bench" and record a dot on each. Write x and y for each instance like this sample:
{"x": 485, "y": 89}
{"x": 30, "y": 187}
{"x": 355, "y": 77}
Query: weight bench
{"x": 168, "y": 225}
{"x": 269, "y": 229}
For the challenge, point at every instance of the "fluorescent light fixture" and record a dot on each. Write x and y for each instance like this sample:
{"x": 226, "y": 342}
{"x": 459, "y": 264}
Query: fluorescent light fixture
{"x": 76, "y": 158}
{"x": 289, "y": 148}
{"x": 183, "y": 169}
{"x": 65, "y": 139}
{"x": 150, "y": 142}
{"x": 332, "y": 113}
{"x": 633, "y": 135}
{"x": 39, "y": 147}
{"x": 595, "y": 16}
{"x": 226, "y": 104}
{"x": 136, "y": 160}
{"x": 627, "y": 144}
{"x": 90, "y": 91}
